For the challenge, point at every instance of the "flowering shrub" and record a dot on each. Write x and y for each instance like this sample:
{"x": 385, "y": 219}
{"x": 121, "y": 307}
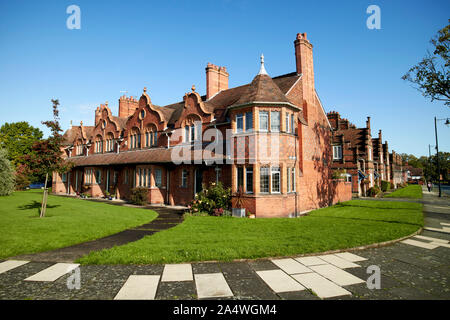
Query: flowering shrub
{"x": 213, "y": 200}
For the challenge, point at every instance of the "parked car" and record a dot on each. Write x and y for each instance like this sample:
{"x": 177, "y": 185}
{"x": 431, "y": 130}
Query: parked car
{"x": 37, "y": 185}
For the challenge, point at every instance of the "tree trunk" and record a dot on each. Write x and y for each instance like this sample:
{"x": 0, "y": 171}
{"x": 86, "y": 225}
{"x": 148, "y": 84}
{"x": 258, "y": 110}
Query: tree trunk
{"x": 44, "y": 198}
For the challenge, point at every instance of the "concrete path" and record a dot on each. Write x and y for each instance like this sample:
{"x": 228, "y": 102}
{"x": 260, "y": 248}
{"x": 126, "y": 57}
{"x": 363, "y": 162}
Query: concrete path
{"x": 167, "y": 218}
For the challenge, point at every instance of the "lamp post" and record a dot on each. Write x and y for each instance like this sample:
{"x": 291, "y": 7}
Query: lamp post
{"x": 447, "y": 122}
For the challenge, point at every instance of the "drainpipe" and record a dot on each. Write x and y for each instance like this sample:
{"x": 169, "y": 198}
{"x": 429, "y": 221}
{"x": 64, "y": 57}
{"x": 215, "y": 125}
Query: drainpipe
{"x": 296, "y": 173}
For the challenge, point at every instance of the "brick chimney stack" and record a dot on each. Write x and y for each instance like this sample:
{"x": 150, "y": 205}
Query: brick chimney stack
{"x": 216, "y": 79}
{"x": 368, "y": 123}
{"x": 127, "y": 106}
{"x": 304, "y": 58}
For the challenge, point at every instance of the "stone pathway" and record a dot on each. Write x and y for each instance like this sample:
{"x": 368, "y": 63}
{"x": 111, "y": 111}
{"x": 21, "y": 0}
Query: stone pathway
{"x": 416, "y": 268}
{"x": 167, "y": 218}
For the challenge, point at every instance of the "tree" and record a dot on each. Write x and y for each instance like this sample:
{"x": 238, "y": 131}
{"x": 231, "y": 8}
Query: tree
{"x": 18, "y": 138}
{"x": 46, "y": 155}
{"x": 431, "y": 75}
{"x": 6, "y": 174}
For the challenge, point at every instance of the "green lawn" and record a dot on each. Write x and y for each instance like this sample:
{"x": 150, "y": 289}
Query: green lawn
{"x": 413, "y": 191}
{"x": 347, "y": 225}
{"x": 68, "y": 221}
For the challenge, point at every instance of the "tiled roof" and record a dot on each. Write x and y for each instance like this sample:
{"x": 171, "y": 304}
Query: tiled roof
{"x": 262, "y": 88}
{"x": 155, "y": 155}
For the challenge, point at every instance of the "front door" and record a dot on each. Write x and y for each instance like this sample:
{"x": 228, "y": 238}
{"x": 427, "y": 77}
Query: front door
{"x": 198, "y": 180}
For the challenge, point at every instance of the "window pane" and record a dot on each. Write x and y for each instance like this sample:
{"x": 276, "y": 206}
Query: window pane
{"x": 192, "y": 137}
{"x": 249, "y": 179}
{"x": 239, "y": 122}
{"x": 292, "y": 124}
{"x": 186, "y": 133}
{"x": 158, "y": 177}
{"x": 249, "y": 121}
{"x": 240, "y": 178}
{"x": 264, "y": 180}
{"x": 289, "y": 180}
{"x": 293, "y": 180}
{"x": 275, "y": 179}
{"x": 263, "y": 120}
{"x": 287, "y": 122}
{"x": 275, "y": 121}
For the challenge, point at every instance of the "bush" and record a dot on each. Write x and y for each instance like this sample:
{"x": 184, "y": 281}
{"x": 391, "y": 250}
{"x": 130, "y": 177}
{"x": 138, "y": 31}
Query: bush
{"x": 338, "y": 174}
{"x": 385, "y": 185}
{"x": 7, "y": 181}
{"x": 213, "y": 200}
{"x": 139, "y": 196}
{"x": 374, "y": 191}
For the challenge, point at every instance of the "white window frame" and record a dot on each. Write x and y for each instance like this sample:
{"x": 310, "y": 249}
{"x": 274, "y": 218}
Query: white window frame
{"x": 275, "y": 171}
{"x": 337, "y": 152}
{"x": 264, "y": 114}
{"x": 239, "y": 119}
{"x": 272, "y": 124}
{"x": 267, "y": 170}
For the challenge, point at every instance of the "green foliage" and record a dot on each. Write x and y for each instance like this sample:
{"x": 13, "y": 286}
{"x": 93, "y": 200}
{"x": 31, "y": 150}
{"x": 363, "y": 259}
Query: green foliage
{"x": 213, "y": 200}
{"x": 7, "y": 182}
{"x": 18, "y": 138}
{"x": 338, "y": 174}
{"x": 385, "y": 185}
{"x": 431, "y": 75}
{"x": 139, "y": 196}
{"x": 374, "y": 191}
{"x": 46, "y": 155}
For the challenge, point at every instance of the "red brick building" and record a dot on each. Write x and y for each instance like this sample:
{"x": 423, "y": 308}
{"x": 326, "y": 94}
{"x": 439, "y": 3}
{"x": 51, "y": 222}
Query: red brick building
{"x": 353, "y": 152}
{"x": 269, "y": 138}
{"x": 398, "y": 176}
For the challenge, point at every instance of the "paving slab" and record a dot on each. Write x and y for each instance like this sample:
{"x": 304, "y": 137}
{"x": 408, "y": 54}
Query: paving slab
{"x": 311, "y": 261}
{"x": 212, "y": 285}
{"x": 350, "y": 257}
{"x": 54, "y": 272}
{"x": 177, "y": 272}
{"x": 338, "y": 262}
{"x": 430, "y": 239}
{"x": 139, "y": 287}
{"x": 336, "y": 275}
{"x": 11, "y": 264}
{"x": 420, "y": 244}
{"x": 290, "y": 266}
{"x": 279, "y": 281}
{"x": 445, "y": 230}
{"x": 321, "y": 286}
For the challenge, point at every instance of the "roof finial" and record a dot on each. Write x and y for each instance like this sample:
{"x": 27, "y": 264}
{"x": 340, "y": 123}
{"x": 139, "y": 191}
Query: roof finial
{"x": 193, "y": 88}
{"x": 145, "y": 89}
{"x": 262, "y": 70}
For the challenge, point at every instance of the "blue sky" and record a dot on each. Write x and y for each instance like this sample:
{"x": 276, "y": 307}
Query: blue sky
{"x": 165, "y": 46}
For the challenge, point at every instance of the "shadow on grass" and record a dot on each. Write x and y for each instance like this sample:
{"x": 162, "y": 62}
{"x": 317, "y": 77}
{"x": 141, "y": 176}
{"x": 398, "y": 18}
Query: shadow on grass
{"x": 36, "y": 205}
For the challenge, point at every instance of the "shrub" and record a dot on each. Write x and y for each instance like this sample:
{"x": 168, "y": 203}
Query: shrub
{"x": 338, "y": 174}
{"x": 7, "y": 181}
{"x": 139, "y": 196}
{"x": 385, "y": 185}
{"x": 213, "y": 200}
{"x": 374, "y": 191}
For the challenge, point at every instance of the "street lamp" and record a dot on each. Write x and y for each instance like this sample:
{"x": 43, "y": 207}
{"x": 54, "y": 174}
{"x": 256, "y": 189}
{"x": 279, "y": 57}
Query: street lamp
{"x": 447, "y": 122}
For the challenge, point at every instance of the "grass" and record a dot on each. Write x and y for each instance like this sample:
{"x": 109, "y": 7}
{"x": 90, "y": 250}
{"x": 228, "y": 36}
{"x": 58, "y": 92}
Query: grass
{"x": 350, "y": 224}
{"x": 68, "y": 221}
{"x": 412, "y": 191}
